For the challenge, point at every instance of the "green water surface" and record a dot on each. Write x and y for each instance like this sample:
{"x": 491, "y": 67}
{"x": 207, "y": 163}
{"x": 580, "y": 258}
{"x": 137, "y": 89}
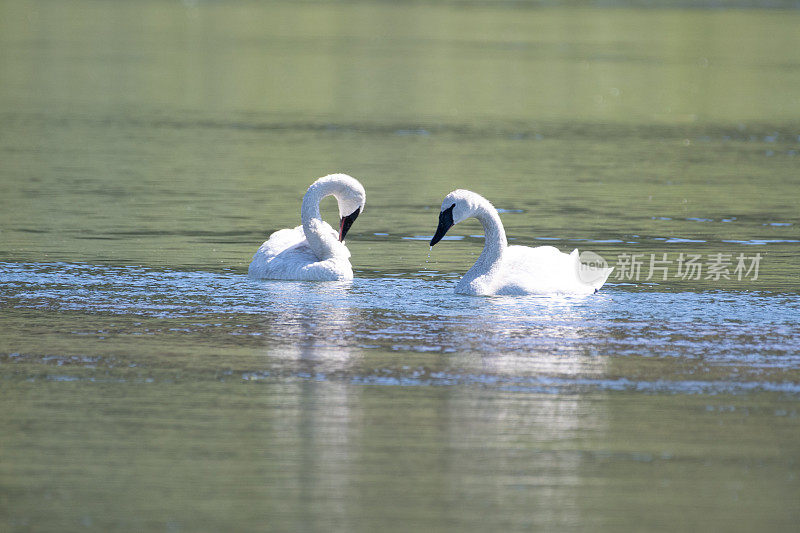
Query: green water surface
{"x": 175, "y": 136}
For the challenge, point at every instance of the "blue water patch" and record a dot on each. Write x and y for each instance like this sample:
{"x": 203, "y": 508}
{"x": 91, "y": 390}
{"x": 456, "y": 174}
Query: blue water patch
{"x": 429, "y": 237}
{"x": 680, "y": 240}
{"x": 761, "y": 242}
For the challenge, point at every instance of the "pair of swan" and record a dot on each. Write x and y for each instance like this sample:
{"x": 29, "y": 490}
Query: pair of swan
{"x": 315, "y": 251}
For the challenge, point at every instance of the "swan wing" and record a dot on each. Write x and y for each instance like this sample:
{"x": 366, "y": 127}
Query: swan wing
{"x": 544, "y": 270}
{"x": 287, "y": 255}
{"x": 283, "y": 240}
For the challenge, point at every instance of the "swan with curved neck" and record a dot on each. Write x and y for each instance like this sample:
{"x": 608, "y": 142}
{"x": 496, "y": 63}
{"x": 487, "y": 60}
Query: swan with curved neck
{"x": 313, "y": 251}
{"x": 504, "y": 269}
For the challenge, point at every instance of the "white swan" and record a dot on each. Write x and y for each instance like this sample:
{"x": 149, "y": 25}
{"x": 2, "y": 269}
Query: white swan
{"x": 504, "y": 269}
{"x": 313, "y": 251}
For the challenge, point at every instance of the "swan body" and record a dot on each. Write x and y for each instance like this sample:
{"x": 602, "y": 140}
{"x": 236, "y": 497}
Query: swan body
{"x": 513, "y": 270}
{"x": 313, "y": 251}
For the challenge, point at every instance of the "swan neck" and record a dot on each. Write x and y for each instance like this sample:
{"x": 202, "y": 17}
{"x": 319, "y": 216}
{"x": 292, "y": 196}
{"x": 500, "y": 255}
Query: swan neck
{"x": 322, "y": 243}
{"x": 310, "y": 208}
{"x": 494, "y": 235}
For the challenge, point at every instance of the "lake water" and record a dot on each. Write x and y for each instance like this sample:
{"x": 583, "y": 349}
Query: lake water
{"x": 147, "y": 148}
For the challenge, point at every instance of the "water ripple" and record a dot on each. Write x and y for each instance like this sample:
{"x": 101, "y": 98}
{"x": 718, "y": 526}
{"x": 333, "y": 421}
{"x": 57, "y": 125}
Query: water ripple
{"x": 704, "y": 341}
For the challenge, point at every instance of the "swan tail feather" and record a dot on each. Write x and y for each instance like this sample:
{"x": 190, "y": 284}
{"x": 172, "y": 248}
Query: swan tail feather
{"x": 593, "y": 276}
{"x": 605, "y": 273}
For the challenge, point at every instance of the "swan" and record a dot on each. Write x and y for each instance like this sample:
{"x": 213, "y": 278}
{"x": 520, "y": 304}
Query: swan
{"x": 514, "y": 270}
{"x": 313, "y": 251}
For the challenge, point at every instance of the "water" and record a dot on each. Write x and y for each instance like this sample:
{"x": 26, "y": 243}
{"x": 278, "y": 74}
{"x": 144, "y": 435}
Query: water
{"x": 148, "y": 148}
{"x": 379, "y": 402}
{"x": 724, "y": 341}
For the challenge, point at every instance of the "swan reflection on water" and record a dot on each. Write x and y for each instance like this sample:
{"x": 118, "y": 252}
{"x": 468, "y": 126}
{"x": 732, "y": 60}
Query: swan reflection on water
{"x": 346, "y": 343}
{"x": 349, "y": 328}
{"x": 309, "y": 322}
{"x": 531, "y": 336}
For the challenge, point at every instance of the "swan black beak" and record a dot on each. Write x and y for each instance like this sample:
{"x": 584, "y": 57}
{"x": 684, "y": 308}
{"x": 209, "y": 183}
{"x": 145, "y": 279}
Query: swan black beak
{"x": 445, "y": 223}
{"x": 346, "y": 222}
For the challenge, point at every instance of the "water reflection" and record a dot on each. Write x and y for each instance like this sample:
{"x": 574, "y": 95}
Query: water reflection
{"x": 310, "y": 320}
{"x": 532, "y": 336}
{"x": 483, "y": 436}
{"x": 525, "y": 429}
{"x": 317, "y": 432}
{"x": 312, "y": 442}
{"x": 518, "y": 442}
{"x": 479, "y": 451}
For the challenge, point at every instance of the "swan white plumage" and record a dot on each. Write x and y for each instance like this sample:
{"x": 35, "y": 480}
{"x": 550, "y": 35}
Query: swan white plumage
{"x": 513, "y": 270}
{"x": 313, "y": 251}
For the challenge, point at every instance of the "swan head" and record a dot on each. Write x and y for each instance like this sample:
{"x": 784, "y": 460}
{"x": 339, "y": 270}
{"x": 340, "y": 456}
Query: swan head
{"x": 457, "y": 206}
{"x": 350, "y": 196}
